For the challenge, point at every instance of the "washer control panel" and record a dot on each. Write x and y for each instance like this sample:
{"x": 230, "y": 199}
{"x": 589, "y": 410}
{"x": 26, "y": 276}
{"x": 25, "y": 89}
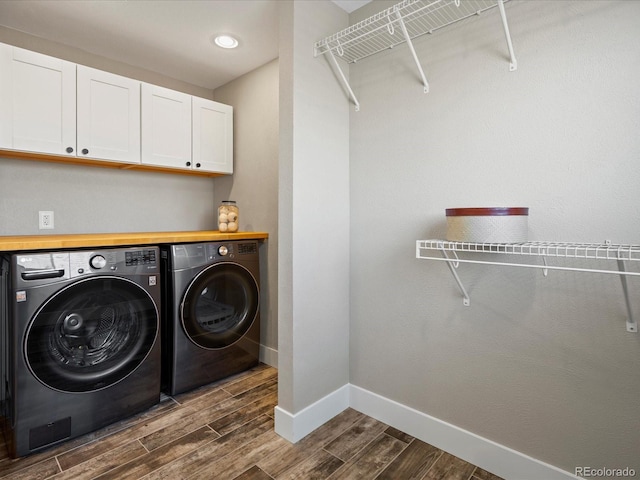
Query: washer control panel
{"x": 37, "y": 268}
{"x": 124, "y": 261}
{"x": 88, "y": 261}
{"x": 140, "y": 257}
{"x": 98, "y": 262}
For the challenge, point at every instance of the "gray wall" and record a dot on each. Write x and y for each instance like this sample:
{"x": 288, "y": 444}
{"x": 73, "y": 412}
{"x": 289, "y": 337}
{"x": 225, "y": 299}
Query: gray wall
{"x": 541, "y": 365}
{"x": 254, "y": 184}
{"x": 313, "y": 258}
{"x": 95, "y": 200}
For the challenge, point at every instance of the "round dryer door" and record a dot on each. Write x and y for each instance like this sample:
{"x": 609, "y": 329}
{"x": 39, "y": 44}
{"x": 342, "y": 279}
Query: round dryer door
{"x": 91, "y": 334}
{"x": 220, "y": 305}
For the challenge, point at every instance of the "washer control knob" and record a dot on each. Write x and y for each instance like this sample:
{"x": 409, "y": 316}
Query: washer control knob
{"x": 223, "y": 250}
{"x": 98, "y": 261}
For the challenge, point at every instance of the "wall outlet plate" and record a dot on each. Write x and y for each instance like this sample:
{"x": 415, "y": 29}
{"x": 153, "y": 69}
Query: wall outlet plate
{"x": 45, "y": 220}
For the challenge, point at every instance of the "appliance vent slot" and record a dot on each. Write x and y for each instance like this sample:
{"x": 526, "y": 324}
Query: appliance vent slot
{"x": 247, "y": 248}
{"x": 49, "y": 433}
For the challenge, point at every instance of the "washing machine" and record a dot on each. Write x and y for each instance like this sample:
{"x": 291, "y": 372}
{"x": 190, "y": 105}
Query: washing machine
{"x": 81, "y": 342}
{"x": 211, "y": 299}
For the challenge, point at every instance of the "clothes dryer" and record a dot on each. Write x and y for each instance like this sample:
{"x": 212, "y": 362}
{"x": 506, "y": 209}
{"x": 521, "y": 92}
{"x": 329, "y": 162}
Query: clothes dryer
{"x": 82, "y": 344}
{"x": 211, "y": 298}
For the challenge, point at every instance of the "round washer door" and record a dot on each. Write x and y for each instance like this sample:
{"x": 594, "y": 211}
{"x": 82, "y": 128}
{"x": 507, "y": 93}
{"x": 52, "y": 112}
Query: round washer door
{"x": 220, "y": 305}
{"x": 91, "y": 334}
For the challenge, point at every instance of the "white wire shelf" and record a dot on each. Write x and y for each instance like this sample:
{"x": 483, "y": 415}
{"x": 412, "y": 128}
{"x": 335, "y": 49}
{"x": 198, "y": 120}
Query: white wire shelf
{"x": 403, "y": 23}
{"x": 621, "y": 253}
{"x": 604, "y": 251}
{"x": 380, "y": 31}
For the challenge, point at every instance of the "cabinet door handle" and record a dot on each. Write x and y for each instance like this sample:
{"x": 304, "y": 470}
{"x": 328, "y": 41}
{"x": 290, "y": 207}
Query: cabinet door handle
{"x": 85, "y": 151}
{"x": 197, "y": 165}
{"x": 69, "y": 149}
{"x": 188, "y": 164}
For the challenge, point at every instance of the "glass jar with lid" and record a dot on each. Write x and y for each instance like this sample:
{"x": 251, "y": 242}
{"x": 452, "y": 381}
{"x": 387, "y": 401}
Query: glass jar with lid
{"x": 228, "y": 216}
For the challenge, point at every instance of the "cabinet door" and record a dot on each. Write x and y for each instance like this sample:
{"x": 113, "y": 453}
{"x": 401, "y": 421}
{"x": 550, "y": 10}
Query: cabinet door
{"x": 212, "y": 136}
{"x": 108, "y": 116}
{"x": 37, "y": 102}
{"x": 166, "y": 127}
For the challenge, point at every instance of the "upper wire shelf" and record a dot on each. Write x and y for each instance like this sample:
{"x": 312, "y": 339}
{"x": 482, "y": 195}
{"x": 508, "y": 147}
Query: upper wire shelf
{"x": 400, "y": 24}
{"x": 381, "y": 31}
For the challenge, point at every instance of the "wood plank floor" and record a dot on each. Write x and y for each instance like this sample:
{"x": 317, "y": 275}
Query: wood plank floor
{"x": 225, "y": 431}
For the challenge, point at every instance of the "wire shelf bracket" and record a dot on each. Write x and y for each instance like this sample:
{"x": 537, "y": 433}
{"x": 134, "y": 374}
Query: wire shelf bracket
{"x": 453, "y": 266}
{"x": 414, "y": 19}
{"x": 413, "y": 50}
{"x": 345, "y": 81}
{"x": 605, "y": 251}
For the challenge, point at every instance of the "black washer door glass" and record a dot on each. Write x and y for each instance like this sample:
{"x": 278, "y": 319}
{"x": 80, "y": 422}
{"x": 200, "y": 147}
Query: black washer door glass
{"x": 220, "y": 305}
{"x": 91, "y": 334}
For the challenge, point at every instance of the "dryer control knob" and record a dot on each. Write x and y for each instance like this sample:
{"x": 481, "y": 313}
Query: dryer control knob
{"x": 98, "y": 261}
{"x": 223, "y": 250}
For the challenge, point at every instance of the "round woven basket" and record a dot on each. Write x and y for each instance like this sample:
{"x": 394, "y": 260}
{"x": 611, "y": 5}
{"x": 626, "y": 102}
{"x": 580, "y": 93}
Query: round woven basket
{"x": 488, "y": 225}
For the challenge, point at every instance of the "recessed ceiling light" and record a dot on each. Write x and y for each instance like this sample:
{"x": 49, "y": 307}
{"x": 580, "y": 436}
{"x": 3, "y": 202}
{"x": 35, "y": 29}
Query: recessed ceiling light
{"x": 226, "y": 41}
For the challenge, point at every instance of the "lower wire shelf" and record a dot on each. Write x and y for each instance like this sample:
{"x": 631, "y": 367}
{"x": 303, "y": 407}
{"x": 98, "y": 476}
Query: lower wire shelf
{"x": 620, "y": 253}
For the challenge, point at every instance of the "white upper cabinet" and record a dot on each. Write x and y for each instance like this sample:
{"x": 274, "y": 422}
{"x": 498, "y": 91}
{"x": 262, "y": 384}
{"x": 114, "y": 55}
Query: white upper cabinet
{"x": 212, "y": 136}
{"x": 51, "y": 106}
{"x": 108, "y": 116}
{"x": 166, "y": 127}
{"x": 181, "y": 131}
{"x": 37, "y": 102}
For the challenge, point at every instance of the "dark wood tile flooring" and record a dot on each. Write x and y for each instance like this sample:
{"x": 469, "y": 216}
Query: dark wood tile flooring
{"x": 225, "y": 431}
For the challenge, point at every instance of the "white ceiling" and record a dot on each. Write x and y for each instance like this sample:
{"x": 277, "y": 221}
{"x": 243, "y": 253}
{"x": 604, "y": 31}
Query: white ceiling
{"x": 351, "y": 5}
{"x": 170, "y": 37}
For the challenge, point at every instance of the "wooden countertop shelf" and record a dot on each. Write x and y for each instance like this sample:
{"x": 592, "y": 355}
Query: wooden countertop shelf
{"x": 58, "y": 242}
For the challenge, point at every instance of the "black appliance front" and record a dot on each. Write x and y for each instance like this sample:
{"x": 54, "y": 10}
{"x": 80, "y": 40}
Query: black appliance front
{"x": 4, "y": 335}
{"x": 212, "y": 325}
{"x": 84, "y": 344}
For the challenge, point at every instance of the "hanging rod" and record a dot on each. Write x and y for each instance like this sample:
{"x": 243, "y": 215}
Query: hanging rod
{"x": 414, "y": 19}
{"x": 621, "y": 253}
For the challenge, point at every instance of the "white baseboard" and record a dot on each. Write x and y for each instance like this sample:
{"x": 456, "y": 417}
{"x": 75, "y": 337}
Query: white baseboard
{"x": 294, "y": 427}
{"x": 486, "y": 454}
{"x": 269, "y": 356}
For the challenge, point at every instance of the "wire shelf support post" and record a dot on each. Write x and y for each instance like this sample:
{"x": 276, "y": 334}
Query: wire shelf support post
{"x": 632, "y": 326}
{"x": 344, "y": 80}
{"x": 513, "y": 65}
{"x": 453, "y": 265}
{"x": 403, "y": 27}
